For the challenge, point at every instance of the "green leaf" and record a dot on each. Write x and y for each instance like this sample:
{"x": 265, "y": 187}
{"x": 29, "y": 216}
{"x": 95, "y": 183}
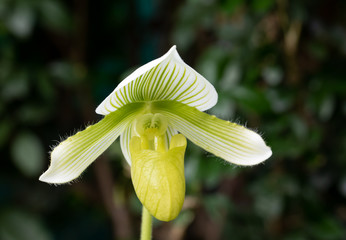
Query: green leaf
{"x": 5, "y": 130}
{"x": 28, "y": 153}
{"x": 20, "y": 225}
{"x": 21, "y": 21}
{"x": 232, "y": 5}
{"x": 262, "y": 6}
{"x": 54, "y": 15}
{"x": 327, "y": 228}
{"x": 16, "y": 87}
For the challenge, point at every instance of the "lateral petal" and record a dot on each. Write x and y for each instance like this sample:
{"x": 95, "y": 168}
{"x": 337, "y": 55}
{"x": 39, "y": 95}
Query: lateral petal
{"x": 72, "y": 156}
{"x": 230, "y": 141}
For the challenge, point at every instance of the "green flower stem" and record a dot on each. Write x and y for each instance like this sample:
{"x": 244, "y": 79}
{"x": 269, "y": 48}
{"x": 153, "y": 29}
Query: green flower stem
{"x": 146, "y": 225}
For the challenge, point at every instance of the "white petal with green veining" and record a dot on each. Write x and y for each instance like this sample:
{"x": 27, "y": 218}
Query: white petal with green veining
{"x": 165, "y": 78}
{"x": 72, "y": 156}
{"x": 227, "y": 140}
{"x": 129, "y": 132}
{"x": 125, "y": 138}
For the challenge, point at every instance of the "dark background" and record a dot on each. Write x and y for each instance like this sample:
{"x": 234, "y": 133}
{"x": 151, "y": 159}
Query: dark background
{"x": 278, "y": 66}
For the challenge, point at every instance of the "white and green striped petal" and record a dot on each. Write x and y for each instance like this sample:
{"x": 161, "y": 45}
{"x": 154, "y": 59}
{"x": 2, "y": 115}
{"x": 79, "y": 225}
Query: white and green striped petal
{"x": 125, "y": 138}
{"x": 227, "y": 140}
{"x": 72, "y": 156}
{"x": 166, "y": 78}
{"x": 129, "y": 132}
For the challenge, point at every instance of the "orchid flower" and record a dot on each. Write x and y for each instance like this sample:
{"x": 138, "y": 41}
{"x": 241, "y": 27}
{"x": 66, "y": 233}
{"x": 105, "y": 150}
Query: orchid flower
{"x": 153, "y": 110}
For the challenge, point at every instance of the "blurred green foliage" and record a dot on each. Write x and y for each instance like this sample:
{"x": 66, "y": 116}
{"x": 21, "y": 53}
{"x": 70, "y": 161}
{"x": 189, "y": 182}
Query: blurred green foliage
{"x": 278, "y": 66}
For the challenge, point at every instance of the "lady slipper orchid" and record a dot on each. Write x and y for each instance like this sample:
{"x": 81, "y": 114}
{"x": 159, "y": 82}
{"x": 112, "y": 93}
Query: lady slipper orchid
{"x": 153, "y": 110}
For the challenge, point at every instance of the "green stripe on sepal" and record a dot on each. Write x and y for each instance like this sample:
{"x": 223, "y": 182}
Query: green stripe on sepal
{"x": 167, "y": 77}
{"x": 72, "y": 156}
{"x": 227, "y": 140}
{"x": 158, "y": 177}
